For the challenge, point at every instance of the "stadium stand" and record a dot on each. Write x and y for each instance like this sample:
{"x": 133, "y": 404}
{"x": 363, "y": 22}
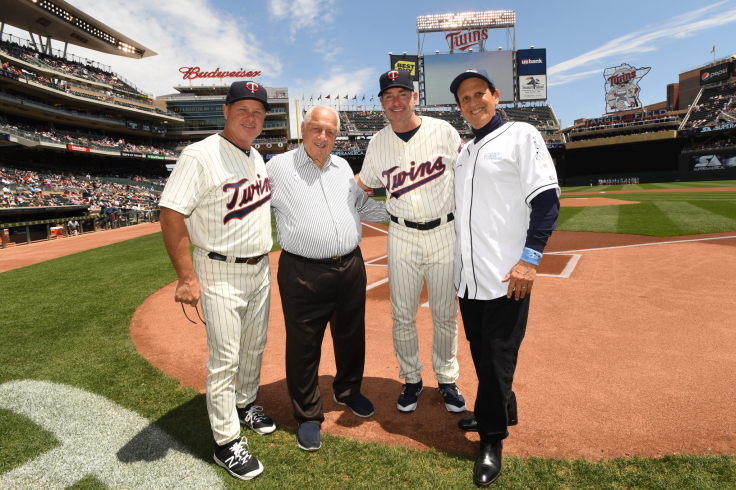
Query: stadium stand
{"x": 27, "y": 188}
{"x": 45, "y": 134}
{"x": 715, "y": 104}
{"x": 364, "y": 121}
{"x": 20, "y": 50}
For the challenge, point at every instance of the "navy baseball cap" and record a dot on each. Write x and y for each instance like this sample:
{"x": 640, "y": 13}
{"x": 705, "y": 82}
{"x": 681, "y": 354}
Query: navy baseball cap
{"x": 247, "y": 90}
{"x": 482, "y": 74}
{"x": 396, "y": 78}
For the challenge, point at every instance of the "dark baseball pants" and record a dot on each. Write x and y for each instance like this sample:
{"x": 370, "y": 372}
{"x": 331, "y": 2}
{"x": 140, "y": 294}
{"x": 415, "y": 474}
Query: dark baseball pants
{"x": 311, "y": 296}
{"x": 495, "y": 329}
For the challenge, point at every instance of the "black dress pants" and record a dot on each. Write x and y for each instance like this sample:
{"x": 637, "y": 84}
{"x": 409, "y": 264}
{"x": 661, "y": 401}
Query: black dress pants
{"x": 495, "y": 329}
{"x": 311, "y": 296}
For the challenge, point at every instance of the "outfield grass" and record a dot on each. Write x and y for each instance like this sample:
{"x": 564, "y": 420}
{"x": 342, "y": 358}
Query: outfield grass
{"x": 664, "y": 185}
{"x": 67, "y": 321}
{"x": 664, "y": 214}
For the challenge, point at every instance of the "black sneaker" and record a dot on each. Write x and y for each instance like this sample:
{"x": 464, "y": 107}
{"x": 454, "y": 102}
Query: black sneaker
{"x": 252, "y": 416}
{"x": 237, "y": 460}
{"x": 361, "y": 406}
{"x": 308, "y": 437}
{"x": 409, "y": 397}
{"x": 454, "y": 401}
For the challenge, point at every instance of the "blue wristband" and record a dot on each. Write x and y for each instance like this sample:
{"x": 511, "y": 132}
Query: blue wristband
{"x": 531, "y": 256}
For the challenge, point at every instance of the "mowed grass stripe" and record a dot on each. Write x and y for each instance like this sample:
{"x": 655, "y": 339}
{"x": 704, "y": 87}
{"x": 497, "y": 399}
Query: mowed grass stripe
{"x": 645, "y": 219}
{"x": 692, "y": 219}
{"x": 602, "y": 219}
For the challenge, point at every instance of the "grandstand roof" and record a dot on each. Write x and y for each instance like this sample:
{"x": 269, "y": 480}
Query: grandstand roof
{"x": 61, "y": 21}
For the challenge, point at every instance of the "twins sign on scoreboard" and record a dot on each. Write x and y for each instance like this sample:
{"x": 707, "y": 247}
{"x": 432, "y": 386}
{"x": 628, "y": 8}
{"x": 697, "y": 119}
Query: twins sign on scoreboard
{"x": 531, "y": 67}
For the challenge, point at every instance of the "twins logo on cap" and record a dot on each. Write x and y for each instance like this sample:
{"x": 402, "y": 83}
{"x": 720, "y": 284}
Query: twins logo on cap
{"x": 253, "y": 87}
{"x": 472, "y": 70}
{"x": 393, "y": 75}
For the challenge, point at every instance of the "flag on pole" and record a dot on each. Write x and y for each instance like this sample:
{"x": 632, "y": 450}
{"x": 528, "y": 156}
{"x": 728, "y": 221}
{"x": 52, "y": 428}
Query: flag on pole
{"x": 327, "y": 96}
{"x": 371, "y": 98}
{"x": 355, "y": 97}
{"x": 346, "y": 97}
{"x": 363, "y": 96}
{"x": 320, "y": 97}
{"x": 311, "y": 98}
{"x": 302, "y": 97}
{"x": 337, "y": 96}
{"x": 713, "y": 49}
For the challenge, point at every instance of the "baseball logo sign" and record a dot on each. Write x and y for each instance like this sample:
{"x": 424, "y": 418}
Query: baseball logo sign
{"x": 393, "y": 75}
{"x": 252, "y": 86}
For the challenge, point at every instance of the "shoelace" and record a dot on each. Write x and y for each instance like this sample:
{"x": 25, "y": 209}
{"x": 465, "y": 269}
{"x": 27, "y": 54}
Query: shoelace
{"x": 450, "y": 390}
{"x": 240, "y": 452}
{"x": 254, "y": 414}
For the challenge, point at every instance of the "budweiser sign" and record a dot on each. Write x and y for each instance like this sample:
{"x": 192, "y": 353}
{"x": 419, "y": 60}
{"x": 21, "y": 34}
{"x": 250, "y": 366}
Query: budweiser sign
{"x": 190, "y": 73}
{"x": 464, "y": 40}
{"x": 622, "y": 87}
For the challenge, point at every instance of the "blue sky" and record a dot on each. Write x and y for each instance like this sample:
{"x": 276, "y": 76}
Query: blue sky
{"x": 331, "y": 47}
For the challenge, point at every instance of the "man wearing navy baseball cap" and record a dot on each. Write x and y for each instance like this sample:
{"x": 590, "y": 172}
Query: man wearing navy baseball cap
{"x": 413, "y": 158}
{"x": 509, "y": 227}
{"x": 218, "y": 198}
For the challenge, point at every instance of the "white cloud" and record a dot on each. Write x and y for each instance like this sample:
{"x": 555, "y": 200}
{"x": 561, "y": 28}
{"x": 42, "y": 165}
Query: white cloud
{"x": 329, "y": 50}
{"x": 303, "y": 14}
{"x": 643, "y": 40}
{"x": 183, "y": 33}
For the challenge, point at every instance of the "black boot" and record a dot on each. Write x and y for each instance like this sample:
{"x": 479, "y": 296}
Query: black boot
{"x": 488, "y": 464}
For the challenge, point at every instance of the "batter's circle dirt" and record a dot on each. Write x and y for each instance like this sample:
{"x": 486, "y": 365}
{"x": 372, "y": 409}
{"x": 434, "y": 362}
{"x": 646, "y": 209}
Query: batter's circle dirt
{"x": 633, "y": 354}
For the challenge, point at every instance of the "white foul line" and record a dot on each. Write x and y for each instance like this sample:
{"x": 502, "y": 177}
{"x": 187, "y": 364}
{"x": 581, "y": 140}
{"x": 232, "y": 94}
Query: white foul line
{"x": 378, "y": 229}
{"x": 376, "y": 284}
{"x": 370, "y": 262}
{"x": 567, "y": 271}
{"x": 640, "y": 245}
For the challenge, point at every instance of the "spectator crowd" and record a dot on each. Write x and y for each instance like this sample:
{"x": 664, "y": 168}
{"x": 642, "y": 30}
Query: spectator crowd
{"x": 27, "y": 188}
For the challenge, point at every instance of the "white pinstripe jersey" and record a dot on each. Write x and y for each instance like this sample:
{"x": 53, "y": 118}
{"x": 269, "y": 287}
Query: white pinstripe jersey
{"x": 418, "y": 175}
{"x": 225, "y": 195}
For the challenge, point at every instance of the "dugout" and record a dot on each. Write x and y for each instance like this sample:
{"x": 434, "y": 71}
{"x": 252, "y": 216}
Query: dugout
{"x": 23, "y": 225}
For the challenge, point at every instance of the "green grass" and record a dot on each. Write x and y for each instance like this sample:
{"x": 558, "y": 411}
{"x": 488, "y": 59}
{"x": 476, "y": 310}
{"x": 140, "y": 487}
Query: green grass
{"x": 665, "y": 185}
{"x": 67, "y": 321}
{"x": 664, "y": 214}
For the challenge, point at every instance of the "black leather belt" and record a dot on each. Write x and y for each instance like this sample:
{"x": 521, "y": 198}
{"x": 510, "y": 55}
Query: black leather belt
{"x": 238, "y": 260}
{"x": 337, "y": 259}
{"x": 429, "y": 225}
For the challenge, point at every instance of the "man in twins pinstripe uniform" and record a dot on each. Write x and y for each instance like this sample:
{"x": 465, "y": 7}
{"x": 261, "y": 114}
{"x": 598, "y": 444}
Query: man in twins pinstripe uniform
{"x": 414, "y": 159}
{"x": 218, "y": 197}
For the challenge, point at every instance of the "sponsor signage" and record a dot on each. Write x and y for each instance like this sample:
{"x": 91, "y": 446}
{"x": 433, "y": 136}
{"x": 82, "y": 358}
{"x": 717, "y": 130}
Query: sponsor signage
{"x": 714, "y": 74}
{"x": 131, "y": 154}
{"x": 4, "y": 137}
{"x": 462, "y": 40}
{"x": 151, "y": 156}
{"x": 632, "y": 116}
{"x": 721, "y": 127}
{"x": 132, "y": 125}
{"x": 533, "y": 87}
{"x": 193, "y": 72}
{"x": 407, "y": 63}
{"x": 351, "y": 153}
{"x": 622, "y": 87}
{"x": 83, "y": 149}
{"x": 721, "y": 161}
{"x": 531, "y": 62}
{"x": 9, "y": 74}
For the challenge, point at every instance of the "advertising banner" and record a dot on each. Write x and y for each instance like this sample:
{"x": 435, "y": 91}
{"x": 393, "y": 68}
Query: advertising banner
{"x": 721, "y": 161}
{"x": 77, "y": 148}
{"x": 441, "y": 69}
{"x": 406, "y": 62}
{"x": 533, "y": 87}
{"x": 130, "y": 154}
{"x": 151, "y": 156}
{"x": 714, "y": 74}
{"x": 531, "y": 61}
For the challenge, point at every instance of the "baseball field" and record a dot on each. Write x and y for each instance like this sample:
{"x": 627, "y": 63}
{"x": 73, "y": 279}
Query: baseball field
{"x": 626, "y": 378}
